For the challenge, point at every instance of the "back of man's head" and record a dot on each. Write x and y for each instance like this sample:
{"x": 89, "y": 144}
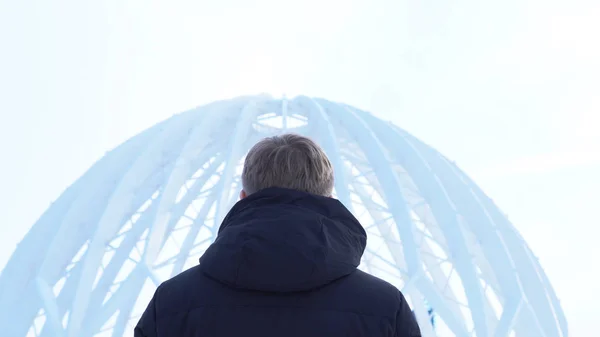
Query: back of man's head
{"x": 287, "y": 161}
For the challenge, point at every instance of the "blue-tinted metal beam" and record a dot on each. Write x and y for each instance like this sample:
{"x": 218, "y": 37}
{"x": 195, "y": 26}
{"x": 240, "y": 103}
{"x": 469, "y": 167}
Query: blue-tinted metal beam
{"x": 119, "y": 330}
{"x": 65, "y": 298}
{"x": 532, "y": 285}
{"x": 326, "y": 135}
{"x": 480, "y": 224}
{"x": 122, "y": 254}
{"x": 17, "y": 284}
{"x": 394, "y": 247}
{"x": 373, "y": 149}
{"x": 191, "y": 236}
{"x": 436, "y": 196}
{"x": 53, "y": 317}
{"x": 238, "y": 147}
{"x": 118, "y": 207}
{"x": 198, "y": 138}
{"x": 194, "y": 191}
{"x": 560, "y": 315}
{"x": 122, "y": 298}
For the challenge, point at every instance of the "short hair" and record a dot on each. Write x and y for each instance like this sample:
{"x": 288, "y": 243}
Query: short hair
{"x": 288, "y": 161}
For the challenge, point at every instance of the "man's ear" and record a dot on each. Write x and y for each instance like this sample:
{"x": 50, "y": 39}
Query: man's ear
{"x": 243, "y": 194}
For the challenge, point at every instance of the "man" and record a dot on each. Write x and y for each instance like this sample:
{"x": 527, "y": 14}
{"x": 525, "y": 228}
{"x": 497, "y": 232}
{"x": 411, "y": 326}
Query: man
{"x": 284, "y": 263}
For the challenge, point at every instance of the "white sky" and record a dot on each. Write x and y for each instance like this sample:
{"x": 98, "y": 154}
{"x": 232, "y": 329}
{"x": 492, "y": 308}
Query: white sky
{"x": 508, "y": 89}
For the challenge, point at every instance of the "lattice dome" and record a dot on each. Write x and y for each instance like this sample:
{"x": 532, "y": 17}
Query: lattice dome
{"x": 149, "y": 208}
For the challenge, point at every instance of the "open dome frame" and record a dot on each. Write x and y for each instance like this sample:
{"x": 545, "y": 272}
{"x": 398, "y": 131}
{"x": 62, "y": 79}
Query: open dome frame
{"x": 149, "y": 208}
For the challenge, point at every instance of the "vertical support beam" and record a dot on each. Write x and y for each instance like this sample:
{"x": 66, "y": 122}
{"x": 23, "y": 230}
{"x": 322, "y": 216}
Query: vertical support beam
{"x": 329, "y": 141}
{"x": 121, "y": 255}
{"x": 53, "y": 318}
{"x": 392, "y": 190}
{"x": 440, "y": 279}
{"x": 200, "y": 137}
{"x": 119, "y": 205}
{"x": 190, "y": 238}
{"x": 100, "y": 180}
{"x": 560, "y": 315}
{"x": 124, "y": 297}
{"x": 394, "y": 247}
{"x": 508, "y": 319}
{"x": 237, "y": 148}
{"x": 477, "y": 219}
{"x": 121, "y": 326}
{"x": 437, "y": 197}
{"x": 180, "y": 208}
{"x": 531, "y": 283}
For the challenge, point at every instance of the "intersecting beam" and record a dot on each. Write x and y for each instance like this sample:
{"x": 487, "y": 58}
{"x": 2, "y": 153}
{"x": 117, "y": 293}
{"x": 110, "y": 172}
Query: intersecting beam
{"x": 53, "y": 318}
{"x": 329, "y": 141}
{"x": 437, "y": 198}
{"x": 532, "y": 285}
{"x": 373, "y": 149}
{"x": 192, "y": 235}
{"x": 118, "y": 206}
{"x": 200, "y": 136}
{"x": 237, "y": 148}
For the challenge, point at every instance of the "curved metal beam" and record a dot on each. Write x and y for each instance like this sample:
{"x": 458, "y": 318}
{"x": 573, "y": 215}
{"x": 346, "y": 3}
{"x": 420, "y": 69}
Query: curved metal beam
{"x": 199, "y": 138}
{"x": 379, "y": 160}
{"x": 436, "y": 196}
{"x": 119, "y": 205}
{"x": 329, "y": 140}
{"x": 532, "y": 285}
{"x": 238, "y": 146}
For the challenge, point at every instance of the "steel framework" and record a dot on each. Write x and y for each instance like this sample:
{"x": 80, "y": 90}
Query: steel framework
{"x": 149, "y": 208}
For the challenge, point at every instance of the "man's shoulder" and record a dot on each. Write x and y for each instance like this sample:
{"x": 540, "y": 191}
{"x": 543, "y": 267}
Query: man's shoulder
{"x": 192, "y": 279}
{"x": 385, "y": 300}
{"x": 366, "y": 292}
{"x": 184, "y": 290}
{"x": 189, "y": 276}
{"x": 371, "y": 284}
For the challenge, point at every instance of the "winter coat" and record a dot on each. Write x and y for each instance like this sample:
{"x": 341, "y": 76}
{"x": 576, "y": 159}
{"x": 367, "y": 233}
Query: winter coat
{"x": 284, "y": 264}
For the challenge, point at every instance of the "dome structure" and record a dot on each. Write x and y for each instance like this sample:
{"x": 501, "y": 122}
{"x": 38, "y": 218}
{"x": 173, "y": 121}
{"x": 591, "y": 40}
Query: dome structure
{"x": 149, "y": 208}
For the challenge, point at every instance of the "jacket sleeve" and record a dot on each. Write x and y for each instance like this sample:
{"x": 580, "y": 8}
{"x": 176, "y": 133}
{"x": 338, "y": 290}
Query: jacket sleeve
{"x": 146, "y": 326}
{"x": 406, "y": 322}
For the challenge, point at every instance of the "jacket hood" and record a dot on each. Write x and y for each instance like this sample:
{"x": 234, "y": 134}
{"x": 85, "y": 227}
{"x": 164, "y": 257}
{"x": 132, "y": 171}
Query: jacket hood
{"x": 280, "y": 240}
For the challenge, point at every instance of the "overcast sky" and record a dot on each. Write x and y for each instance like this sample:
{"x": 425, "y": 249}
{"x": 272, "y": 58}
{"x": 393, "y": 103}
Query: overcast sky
{"x": 507, "y": 89}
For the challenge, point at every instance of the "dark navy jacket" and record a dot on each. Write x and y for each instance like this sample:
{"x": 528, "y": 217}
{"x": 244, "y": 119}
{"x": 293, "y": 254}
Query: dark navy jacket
{"x": 284, "y": 264}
